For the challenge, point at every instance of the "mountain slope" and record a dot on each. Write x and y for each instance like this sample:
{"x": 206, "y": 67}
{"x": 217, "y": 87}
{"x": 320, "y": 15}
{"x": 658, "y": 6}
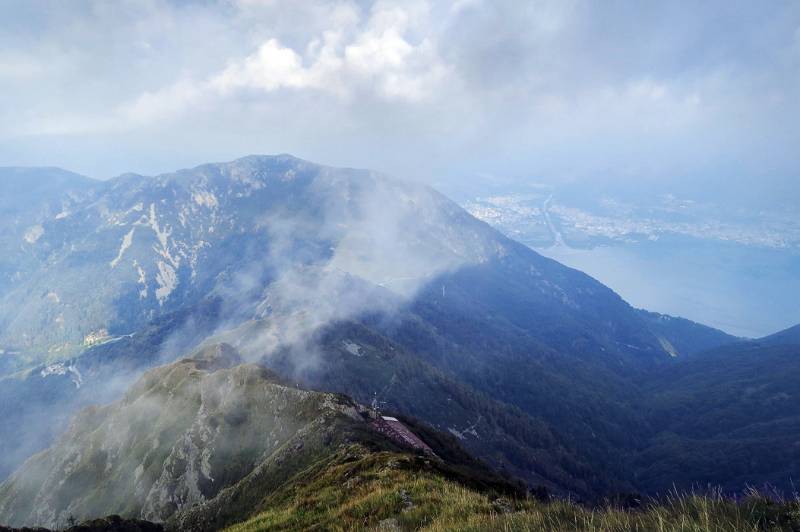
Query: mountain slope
{"x": 790, "y": 336}
{"x": 728, "y": 418}
{"x": 366, "y": 487}
{"x": 181, "y": 432}
{"x": 682, "y": 337}
{"x": 356, "y": 359}
{"x": 205, "y": 444}
{"x": 197, "y": 442}
{"x": 29, "y": 197}
{"x": 384, "y": 492}
{"x": 36, "y": 404}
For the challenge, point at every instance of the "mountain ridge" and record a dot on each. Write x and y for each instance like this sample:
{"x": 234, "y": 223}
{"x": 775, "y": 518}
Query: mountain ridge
{"x": 788, "y": 336}
{"x": 200, "y": 438}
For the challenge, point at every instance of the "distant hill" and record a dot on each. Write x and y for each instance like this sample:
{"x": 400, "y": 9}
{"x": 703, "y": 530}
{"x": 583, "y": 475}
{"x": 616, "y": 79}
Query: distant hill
{"x": 29, "y": 198}
{"x": 790, "y": 336}
{"x": 682, "y": 337}
{"x": 727, "y": 417}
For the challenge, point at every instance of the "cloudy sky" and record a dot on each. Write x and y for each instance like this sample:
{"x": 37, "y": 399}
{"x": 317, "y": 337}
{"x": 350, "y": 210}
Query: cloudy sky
{"x": 466, "y": 91}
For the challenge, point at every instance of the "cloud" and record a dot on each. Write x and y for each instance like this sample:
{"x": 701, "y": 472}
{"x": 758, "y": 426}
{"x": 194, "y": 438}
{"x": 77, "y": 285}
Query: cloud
{"x": 153, "y": 107}
{"x": 373, "y": 59}
{"x": 421, "y": 88}
{"x": 272, "y": 67}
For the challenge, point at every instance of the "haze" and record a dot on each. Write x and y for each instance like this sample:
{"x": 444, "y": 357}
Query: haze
{"x": 455, "y": 92}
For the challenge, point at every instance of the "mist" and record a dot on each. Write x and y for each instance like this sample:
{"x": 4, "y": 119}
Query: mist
{"x": 333, "y": 245}
{"x": 367, "y": 248}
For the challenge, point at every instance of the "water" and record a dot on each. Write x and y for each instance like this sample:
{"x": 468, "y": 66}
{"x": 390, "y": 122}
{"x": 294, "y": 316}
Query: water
{"x": 743, "y": 290}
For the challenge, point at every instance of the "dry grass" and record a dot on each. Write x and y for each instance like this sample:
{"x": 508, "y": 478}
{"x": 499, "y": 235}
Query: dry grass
{"x": 386, "y": 492}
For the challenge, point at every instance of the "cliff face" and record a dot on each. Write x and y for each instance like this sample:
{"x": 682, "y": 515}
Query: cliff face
{"x": 180, "y": 435}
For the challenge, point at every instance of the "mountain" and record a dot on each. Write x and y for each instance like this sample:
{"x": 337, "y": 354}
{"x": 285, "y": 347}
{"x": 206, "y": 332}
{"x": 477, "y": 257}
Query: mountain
{"x": 160, "y": 243}
{"x": 682, "y": 337}
{"x": 29, "y": 197}
{"x": 209, "y": 443}
{"x": 301, "y": 247}
{"x": 385, "y": 374}
{"x": 38, "y": 402}
{"x": 790, "y": 336}
{"x": 198, "y": 443}
{"x": 727, "y": 417}
{"x": 348, "y": 281}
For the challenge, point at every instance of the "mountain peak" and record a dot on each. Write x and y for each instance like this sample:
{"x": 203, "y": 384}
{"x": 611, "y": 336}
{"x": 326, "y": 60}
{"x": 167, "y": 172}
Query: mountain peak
{"x": 262, "y": 158}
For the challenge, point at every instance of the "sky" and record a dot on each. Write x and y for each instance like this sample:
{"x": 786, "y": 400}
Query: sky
{"x": 684, "y": 94}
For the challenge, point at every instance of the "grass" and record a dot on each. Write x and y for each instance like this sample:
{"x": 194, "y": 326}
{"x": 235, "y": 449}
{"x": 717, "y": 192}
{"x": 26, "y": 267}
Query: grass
{"x": 390, "y": 491}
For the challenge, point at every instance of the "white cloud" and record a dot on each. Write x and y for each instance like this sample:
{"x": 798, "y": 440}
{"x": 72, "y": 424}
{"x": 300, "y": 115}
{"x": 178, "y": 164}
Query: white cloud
{"x": 270, "y": 68}
{"x": 470, "y": 86}
{"x": 377, "y": 60}
{"x": 163, "y": 104}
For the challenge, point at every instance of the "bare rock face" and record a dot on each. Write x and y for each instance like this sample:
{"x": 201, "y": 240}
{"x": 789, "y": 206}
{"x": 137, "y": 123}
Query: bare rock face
{"x": 180, "y": 435}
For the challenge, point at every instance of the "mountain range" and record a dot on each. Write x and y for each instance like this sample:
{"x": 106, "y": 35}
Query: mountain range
{"x": 355, "y": 283}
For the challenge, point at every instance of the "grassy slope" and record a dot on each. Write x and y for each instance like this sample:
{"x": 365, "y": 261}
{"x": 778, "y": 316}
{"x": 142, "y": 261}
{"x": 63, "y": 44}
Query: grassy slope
{"x": 323, "y": 452}
{"x": 359, "y": 490}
